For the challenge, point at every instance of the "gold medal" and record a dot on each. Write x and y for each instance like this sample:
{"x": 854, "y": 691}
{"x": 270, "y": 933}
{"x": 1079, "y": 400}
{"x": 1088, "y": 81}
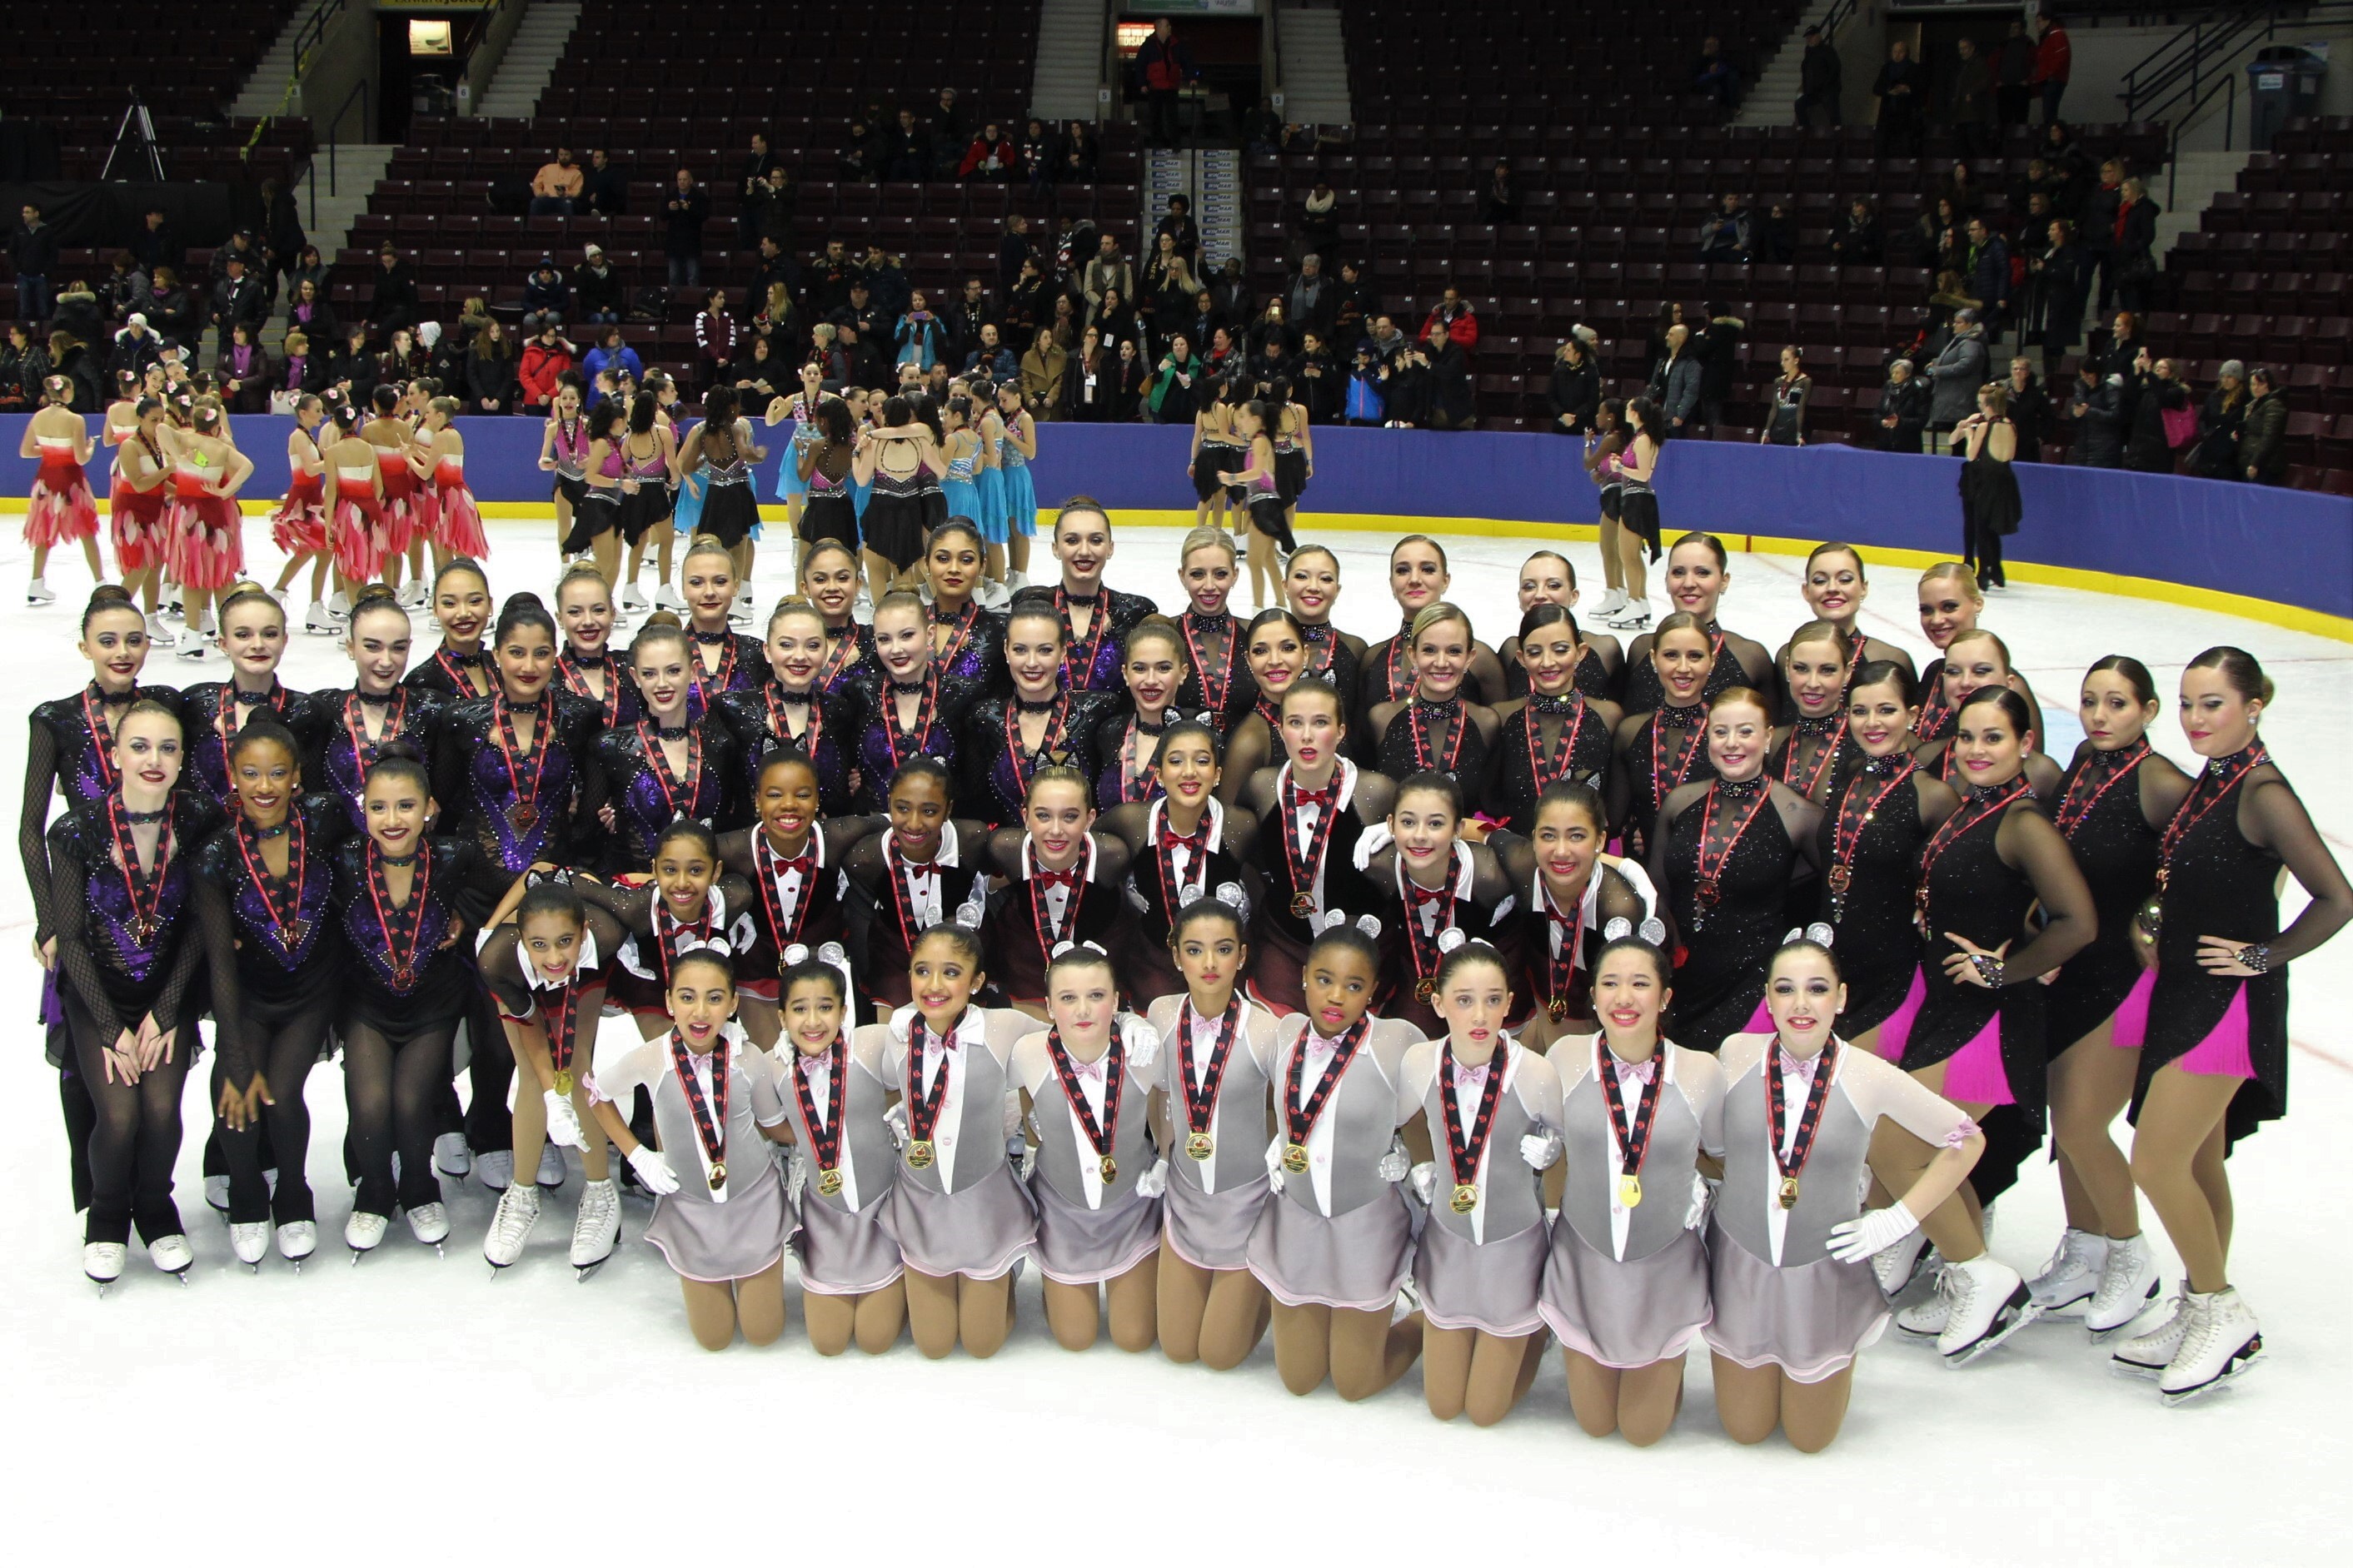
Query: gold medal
{"x": 1557, "y": 1007}
{"x": 829, "y": 1182}
{"x": 1466, "y": 1197}
{"x": 1294, "y": 1159}
{"x": 1303, "y": 905}
{"x": 1629, "y": 1191}
{"x": 564, "y": 1082}
{"x": 1109, "y": 1167}
{"x": 1788, "y": 1192}
{"x": 1423, "y": 990}
{"x": 919, "y": 1155}
{"x": 718, "y": 1174}
{"x": 1199, "y": 1146}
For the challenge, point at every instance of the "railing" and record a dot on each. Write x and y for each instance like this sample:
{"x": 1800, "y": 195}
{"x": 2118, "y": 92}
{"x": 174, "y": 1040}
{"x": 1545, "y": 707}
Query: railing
{"x": 313, "y": 29}
{"x": 1111, "y": 92}
{"x": 2181, "y": 77}
{"x": 361, "y": 90}
{"x": 491, "y": 36}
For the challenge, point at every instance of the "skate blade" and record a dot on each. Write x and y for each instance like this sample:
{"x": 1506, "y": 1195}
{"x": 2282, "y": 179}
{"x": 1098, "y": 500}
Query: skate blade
{"x": 1996, "y": 1336}
{"x": 2102, "y": 1336}
{"x": 2241, "y": 1363}
{"x": 580, "y": 1271}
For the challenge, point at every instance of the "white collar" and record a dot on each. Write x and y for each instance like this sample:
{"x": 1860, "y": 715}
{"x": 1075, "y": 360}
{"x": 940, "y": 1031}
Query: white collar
{"x": 904, "y": 1021}
{"x": 1154, "y": 812}
{"x": 1345, "y": 780}
{"x": 588, "y": 960}
{"x": 1088, "y": 860}
{"x": 1466, "y": 872}
{"x": 946, "y": 857}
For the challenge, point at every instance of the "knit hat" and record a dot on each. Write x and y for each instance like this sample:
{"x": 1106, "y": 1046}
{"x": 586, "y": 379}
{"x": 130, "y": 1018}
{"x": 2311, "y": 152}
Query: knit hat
{"x": 2235, "y": 367}
{"x": 429, "y": 333}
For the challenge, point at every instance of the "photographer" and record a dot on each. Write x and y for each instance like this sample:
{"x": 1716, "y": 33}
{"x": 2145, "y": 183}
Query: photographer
{"x": 1179, "y": 384}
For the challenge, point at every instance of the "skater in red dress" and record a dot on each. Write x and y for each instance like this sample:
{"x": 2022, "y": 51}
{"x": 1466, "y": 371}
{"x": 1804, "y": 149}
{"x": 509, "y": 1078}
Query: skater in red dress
{"x": 202, "y": 523}
{"x": 356, "y": 533}
{"x": 440, "y": 457}
{"x": 140, "y": 470}
{"x": 300, "y": 527}
{"x": 60, "y": 510}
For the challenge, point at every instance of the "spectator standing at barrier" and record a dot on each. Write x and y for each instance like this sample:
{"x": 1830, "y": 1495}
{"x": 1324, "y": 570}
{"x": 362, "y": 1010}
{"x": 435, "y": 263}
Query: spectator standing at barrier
{"x": 2097, "y": 409}
{"x": 1988, "y": 268}
{"x": 1956, "y": 373}
{"x": 1972, "y": 101}
{"x": 1406, "y": 390}
{"x": 1451, "y": 406}
{"x": 1903, "y": 409}
{"x": 2030, "y": 410}
{"x": 1857, "y": 242}
{"x": 1899, "y": 89}
{"x": 2164, "y": 422}
{"x": 2220, "y": 423}
{"x": 1713, "y": 76}
{"x": 393, "y": 304}
{"x": 2014, "y": 75}
{"x": 2054, "y": 57}
{"x": 33, "y": 252}
{"x": 1822, "y": 79}
{"x": 1675, "y": 385}
{"x": 1179, "y": 384}
{"x": 545, "y": 359}
{"x": 1719, "y": 356}
{"x": 596, "y": 292}
{"x": 607, "y": 188}
{"x": 555, "y": 189}
{"x": 1163, "y": 65}
{"x": 611, "y": 354}
{"x": 2262, "y": 442}
{"x": 1576, "y": 389}
{"x": 686, "y": 210}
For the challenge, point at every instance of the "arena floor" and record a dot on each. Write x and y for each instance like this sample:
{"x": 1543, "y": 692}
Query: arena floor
{"x": 416, "y": 1400}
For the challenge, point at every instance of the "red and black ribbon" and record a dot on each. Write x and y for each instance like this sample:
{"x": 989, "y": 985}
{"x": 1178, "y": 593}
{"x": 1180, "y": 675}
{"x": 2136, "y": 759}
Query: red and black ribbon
{"x": 363, "y": 751}
{"x": 768, "y": 868}
{"x": 1972, "y": 811}
{"x": 1464, "y": 1151}
{"x": 1810, "y": 1119}
{"x": 924, "y": 1109}
{"x": 1025, "y": 761}
{"x": 673, "y": 787}
{"x": 560, "y": 1020}
{"x": 1708, "y": 891}
{"x": 570, "y": 667}
{"x": 101, "y": 732}
{"x": 780, "y": 724}
{"x": 411, "y": 937}
{"x": 1550, "y": 766}
{"x": 1846, "y": 832}
{"x": 1306, "y": 863}
{"x": 901, "y": 904}
{"x": 668, "y": 928}
{"x": 460, "y": 667}
{"x": 1213, "y": 692}
{"x": 959, "y": 627}
{"x": 525, "y": 810}
{"x": 1079, "y": 653}
{"x": 1664, "y": 781}
{"x": 826, "y": 1136}
{"x": 1299, "y": 1121}
{"x": 1450, "y": 711}
{"x": 2213, "y": 786}
{"x": 1164, "y": 847}
{"x": 710, "y": 1115}
{"x": 1633, "y": 1140}
{"x": 286, "y": 925}
{"x": 2077, "y": 805}
{"x": 225, "y": 724}
{"x": 893, "y": 735}
{"x": 1101, "y": 1135}
{"x": 1833, "y": 735}
{"x": 1201, "y": 1104}
{"x": 145, "y": 911}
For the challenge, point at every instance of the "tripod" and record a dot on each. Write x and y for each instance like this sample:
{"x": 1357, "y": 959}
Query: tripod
{"x": 134, "y": 140}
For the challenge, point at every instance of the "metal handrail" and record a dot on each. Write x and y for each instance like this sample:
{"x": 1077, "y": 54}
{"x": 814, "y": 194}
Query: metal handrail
{"x": 361, "y": 91}
{"x": 2181, "y": 69}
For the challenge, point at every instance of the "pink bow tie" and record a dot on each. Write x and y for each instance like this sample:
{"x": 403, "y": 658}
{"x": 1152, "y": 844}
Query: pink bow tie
{"x": 1092, "y": 1071}
{"x": 1639, "y": 1072}
{"x": 1798, "y": 1067}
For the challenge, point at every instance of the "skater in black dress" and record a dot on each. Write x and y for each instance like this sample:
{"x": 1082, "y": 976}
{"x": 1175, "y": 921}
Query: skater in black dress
{"x": 1433, "y": 728}
{"x": 1417, "y": 581}
{"x": 377, "y": 708}
{"x": 1128, "y": 737}
{"x": 2118, "y": 796}
{"x": 792, "y": 711}
{"x": 1974, "y": 660}
{"x": 1698, "y": 572}
{"x": 1991, "y": 507}
{"x": 1217, "y": 686}
{"x": 1547, "y": 578}
{"x": 586, "y": 666}
{"x": 1430, "y": 881}
{"x": 910, "y": 708}
{"x": 1182, "y": 845}
{"x": 967, "y": 641}
{"x": 253, "y": 634}
{"x": 1836, "y": 587}
{"x": 1275, "y": 649}
{"x": 1311, "y": 587}
{"x": 1978, "y": 1038}
{"x": 1726, "y": 853}
{"x": 1040, "y": 723}
{"x": 1096, "y": 619}
{"x": 1552, "y": 731}
{"x": 1873, "y": 825}
{"x": 2214, "y": 1066}
{"x": 666, "y": 767}
{"x": 1659, "y": 751}
{"x": 1573, "y": 892}
{"x": 1812, "y": 752}
{"x": 460, "y": 667}
{"x": 829, "y": 580}
{"x": 725, "y": 660}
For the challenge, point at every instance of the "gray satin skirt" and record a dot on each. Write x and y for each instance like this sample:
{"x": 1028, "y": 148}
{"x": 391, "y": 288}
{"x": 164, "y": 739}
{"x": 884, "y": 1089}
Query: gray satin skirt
{"x": 1490, "y": 1286}
{"x": 979, "y": 1231}
{"x": 713, "y": 1243}
{"x": 844, "y": 1253}
{"x": 1626, "y": 1314}
{"x": 1355, "y": 1259}
{"x": 1212, "y": 1230}
{"x": 1080, "y": 1246}
{"x": 1811, "y": 1322}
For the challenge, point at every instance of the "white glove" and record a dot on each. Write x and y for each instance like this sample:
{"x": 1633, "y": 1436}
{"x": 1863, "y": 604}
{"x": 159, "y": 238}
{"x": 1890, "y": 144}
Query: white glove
{"x": 894, "y": 1123}
{"x": 1154, "y": 1182}
{"x": 1371, "y": 842}
{"x": 1395, "y": 1163}
{"x": 1703, "y": 1199}
{"x": 1012, "y": 1117}
{"x": 653, "y": 1171}
{"x": 1873, "y": 1230}
{"x": 1539, "y": 1150}
{"x": 563, "y": 1123}
{"x": 1423, "y": 1179}
{"x": 1274, "y": 1172}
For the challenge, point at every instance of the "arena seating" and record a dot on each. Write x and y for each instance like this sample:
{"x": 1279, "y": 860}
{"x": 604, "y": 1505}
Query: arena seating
{"x": 183, "y": 59}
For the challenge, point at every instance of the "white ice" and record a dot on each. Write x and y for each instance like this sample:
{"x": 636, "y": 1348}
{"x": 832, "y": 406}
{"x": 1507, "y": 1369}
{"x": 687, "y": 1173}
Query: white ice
{"x": 412, "y": 1403}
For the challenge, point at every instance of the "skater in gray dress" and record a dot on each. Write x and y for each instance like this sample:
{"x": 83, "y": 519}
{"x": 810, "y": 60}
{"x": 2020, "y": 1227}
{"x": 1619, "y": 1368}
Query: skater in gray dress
{"x": 960, "y": 1217}
{"x": 1626, "y": 1285}
{"x": 1789, "y": 1245}
{"x": 1487, "y": 1106}
{"x": 1334, "y": 1244}
{"x": 719, "y": 1217}
{"x": 1088, "y": 1081}
{"x": 852, "y": 1283}
{"x": 1217, "y": 1054}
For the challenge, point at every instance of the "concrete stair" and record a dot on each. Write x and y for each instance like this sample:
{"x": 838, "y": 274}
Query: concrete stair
{"x": 529, "y": 64}
{"x": 1312, "y": 66}
{"x": 265, "y": 93}
{"x": 1772, "y": 98}
{"x": 1070, "y": 60}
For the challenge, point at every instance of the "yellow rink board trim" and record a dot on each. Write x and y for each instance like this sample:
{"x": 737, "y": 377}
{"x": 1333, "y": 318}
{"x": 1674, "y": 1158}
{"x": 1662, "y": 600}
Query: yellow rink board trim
{"x": 2289, "y": 617}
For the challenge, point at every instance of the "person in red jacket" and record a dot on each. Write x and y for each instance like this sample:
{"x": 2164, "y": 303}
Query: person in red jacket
{"x": 991, "y": 155}
{"x": 1165, "y": 67}
{"x": 1453, "y": 312}
{"x": 2053, "y": 58}
{"x": 545, "y": 360}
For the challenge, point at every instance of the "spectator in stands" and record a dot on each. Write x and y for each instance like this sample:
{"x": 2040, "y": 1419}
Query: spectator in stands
{"x": 2057, "y": 277}
{"x": 1222, "y": 356}
{"x": 555, "y": 189}
{"x": 2135, "y": 254}
{"x": 990, "y": 155}
{"x": 1499, "y": 198}
{"x": 1035, "y": 150}
{"x": 1773, "y": 238}
{"x": 1317, "y": 381}
{"x": 1903, "y": 409}
{"x": 301, "y": 371}
{"x": 2030, "y": 410}
{"x": 544, "y": 361}
{"x": 2262, "y": 441}
{"x": 886, "y": 280}
{"x": 2054, "y": 59}
{"x": 683, "y": 215}
{"x": 1821, "y": 78}
{"x": 545, "y": 296}
{"x": 951, "y": 128}
{"x": 991, "y": 358}
{"x": 861, "y": 151}
{"x": 1163, "y": 65}
{"x": 245, "y": 377}
{"x": 611, "y": 353}
{"x": 1311, "y": 299}
{"x": 1364, "y": 402}
{"x": 1015, "y": 246}
{"x": 1169, "y": 287}
{"x": 1076, "y": 165}
{"x": 352, "y": 369}
{"x": 2013, "y": 90}
{"x": 597, "y": 296}
{"x": 1857, "y": 242}
{"x": 753, "y": 184}
{"x": 607, "y": 188}
{"x": 762, "y": 374}
{"x": 1318, "y": 228}
{"x": 1405, "y": 390}
{"x": 2220, "y": 425}
{"x": 1179, "y": 384}
{"x": 24, "y": 365}
{"x": 1199, "y": 322}
{"x": 1972, "y": 101}
{"x": 157, "y": 243}
{"x": 170, "y": 311}
{"x": 1674, "y": 384}
{"x": 393, "y": 304}
{"x": 1963, "y": 191}
{"x": 136, "y": 346}
{"x": 828, "y": 278}
{"x": 1899, "y": 89}
{"x": 33, "y": 253}
{"x": 1956, "y": 373}
{"x": 69, "y": 357}
{"x": 1354, "y": 306}
{"x": 860, "y": 311}
{"x": 2125, "y": 354}
{"x": 2100, "y": 227}
{"x": 1451, "y": 405}
{"x": 780, "y": 319}
{"x": 1453, "y": 312}
{"x": 1712, "y": 76}
{"x": 1231, "y": 290}
{"x": 1725, "y": 235}
{"x": 1176, "y": 225}
{"x": 402, "y": 359}
{"x": 242, "y": 246}
{"x": 238, "y": 301}
{"x": 1576, "y": 389}
{"x": 77, "y": 309}
{"x": 310, "y": 268}
{"x": 2097, "y": 407}
{"x": 307, "y": 308}
{"x": 907, "y": 150}
{"x": 1026, "y": 301}
{"x": 1388, "y": 343}
{"x": 125, "y": 287}
{"x": 1042, "y": 371}
{"x": 1105, "y": 271}
{"x": 1940, "y": 238}
{"x": 1719, "y": 357}
{"x": 492, "y": 373}
{"x": 1086, "y": 380}
{"x": 770, "y": 209}
{"x": 964, "y": 316}
{"x": 282, "y": 238}
{"x": 2160, "y": 409}
{"x": 1273, "y": 361}
{"x": 446, "y": 355}
{"x": 1988, "y": 264}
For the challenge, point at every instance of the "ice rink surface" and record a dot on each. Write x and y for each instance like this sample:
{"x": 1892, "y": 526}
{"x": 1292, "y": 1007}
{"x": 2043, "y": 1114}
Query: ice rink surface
{"x": 414, "y": 1408}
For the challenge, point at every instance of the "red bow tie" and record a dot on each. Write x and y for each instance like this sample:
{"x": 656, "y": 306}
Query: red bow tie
{"x": 1044, "y": 878}
{"x": 1422, "y": 896}
{"x": 1172, "y": 839}
{"x": 1324, "y": 796}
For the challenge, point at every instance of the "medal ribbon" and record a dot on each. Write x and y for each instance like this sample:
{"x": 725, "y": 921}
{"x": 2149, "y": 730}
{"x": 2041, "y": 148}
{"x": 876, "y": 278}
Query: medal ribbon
{"x": 714, "y": 680}
{"x": 1306, "y": 863}
{"x": 363, "y": 751}
{"x": 768, "y": 868}
{"x": 508, "y": 744}
{"x": 710, "y": 1115}
{"x": 1213, "y": 696}
{"x": 143, "y": 912}
{"x": 1835, "y": 736}
{"x": 1164, "y": 844}
{"x": 1394, "y": 678}
{"x": 560, "y": 1020}
{"x": 577, "y": 684}
{"x": 1079, "y": 653}
{"x": 1321, "y": 644}
{"x": 1960, "y": 822}
{"x": 1810, "y": 1119}
{"x": 1464, "y": 1152}
{"x": 1421, "y": 749}
{"x": 1634, "y": 1141}
{"x": 658, "y": 763}
{"x": 924, "y": 1109}
{"x": 255, "y": 867}
{"x": 893, "y": 735}
{"x": 1024, "y": 761}
{"x": 1550, "y": 768}
{"x": 666, "y": 941}
{"x": 1101, "y": 1137}
{"x": 403, "y": 968}
{"x": 959, "y": 627}
{"x": 901, "y": 905}
{"x": 838, "y": 656}
{"x": 1201, "y": 1104}
{"x": 2074, "y": 812}
{"x": 810, "y": 739}
{"x": 225, "y": 710}
{"x": 1661, "y": 785}
{"x": 1299, "y": 1120}
{"x": 1423, "y": 947}
{"x": 102, "y": 734}
{"x": 825, "y": 1137}
{"x": 1707, "y": 893}
{"x": 1560, "y": 973}
{"x": 460, "y": 669}
{"x": 1144, "y": 785}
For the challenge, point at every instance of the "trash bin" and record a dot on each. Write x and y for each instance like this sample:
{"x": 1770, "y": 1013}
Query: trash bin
{"x": 2282, "y": 81}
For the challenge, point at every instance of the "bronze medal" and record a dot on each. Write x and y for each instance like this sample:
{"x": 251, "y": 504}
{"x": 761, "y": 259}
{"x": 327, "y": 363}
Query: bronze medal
{"x": 293, "y": 937}
{"x": 564, "y": 1082}
{"x": 1294, "y": 1159}
{"x": 521, "y": 817}
{"x": 1629, "y": 1191}
{"x": 1423, "y": 990}
{"x": 919, "y": 1155}
{"x": 1199, "y": 1145}
{"x": 1109, "y": 1169}
{"x": 1557, "y": 1008}
{"x": 718, "y": 1174}
{"x": 1303, "y": 905}
{"x": 1788, "y": 1192}
{"x": 829, "y": 1183}
{"x": 1838, "y": 879}
{"x": 1466, "y": 1197}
